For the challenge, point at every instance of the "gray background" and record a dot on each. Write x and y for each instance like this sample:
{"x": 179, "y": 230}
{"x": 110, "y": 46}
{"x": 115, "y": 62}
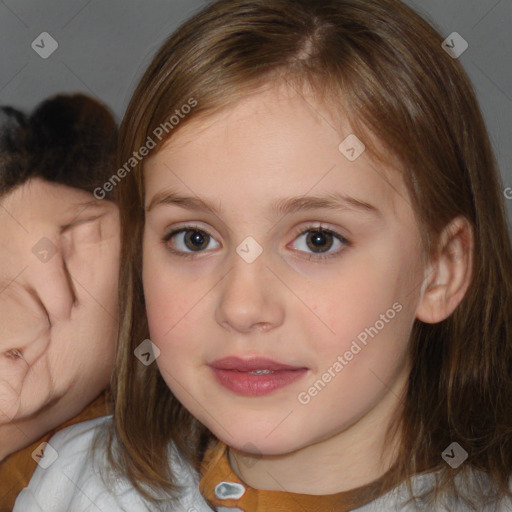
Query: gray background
{"x": 104, "y": 48}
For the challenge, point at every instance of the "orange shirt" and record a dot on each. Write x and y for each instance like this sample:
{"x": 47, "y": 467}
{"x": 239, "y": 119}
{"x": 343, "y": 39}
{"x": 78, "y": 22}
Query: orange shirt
{"x": 222, "y": 488}
{"x": 17, "y": 469}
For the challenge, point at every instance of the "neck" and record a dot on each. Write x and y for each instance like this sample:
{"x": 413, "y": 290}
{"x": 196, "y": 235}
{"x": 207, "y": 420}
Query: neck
{"x": 344, "y": 461}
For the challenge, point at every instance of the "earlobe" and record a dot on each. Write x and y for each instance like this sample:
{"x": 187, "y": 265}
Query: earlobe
{"x": 449, "y": 275}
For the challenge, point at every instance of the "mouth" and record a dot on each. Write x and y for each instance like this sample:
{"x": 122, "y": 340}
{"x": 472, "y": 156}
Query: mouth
{"x": 256, "y": 376}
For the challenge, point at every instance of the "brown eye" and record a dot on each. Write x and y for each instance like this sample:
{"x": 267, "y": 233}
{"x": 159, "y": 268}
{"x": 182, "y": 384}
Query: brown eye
{"x": 196, "y": 240}
{"x": 189, "y": 240}
{"x": 319, "y": 241}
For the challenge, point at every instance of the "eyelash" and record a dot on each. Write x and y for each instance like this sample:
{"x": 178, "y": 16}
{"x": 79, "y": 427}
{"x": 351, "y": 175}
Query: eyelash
{"x": 298, "y": 233}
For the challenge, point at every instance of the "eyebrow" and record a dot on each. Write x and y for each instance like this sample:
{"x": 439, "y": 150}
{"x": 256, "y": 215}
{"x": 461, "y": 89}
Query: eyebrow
{"x": 283, "y": 206}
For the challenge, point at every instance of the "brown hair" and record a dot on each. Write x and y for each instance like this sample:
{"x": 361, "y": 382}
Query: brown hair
{"x": 68, "y": 139}
{"x": 383, "y": 66}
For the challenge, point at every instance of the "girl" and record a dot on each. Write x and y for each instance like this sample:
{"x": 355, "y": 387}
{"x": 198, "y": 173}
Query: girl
{"x": 315, "y": 243}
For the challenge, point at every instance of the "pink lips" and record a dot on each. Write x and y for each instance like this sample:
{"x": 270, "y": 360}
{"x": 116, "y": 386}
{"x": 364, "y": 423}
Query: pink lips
{"x": 234, "y": 374}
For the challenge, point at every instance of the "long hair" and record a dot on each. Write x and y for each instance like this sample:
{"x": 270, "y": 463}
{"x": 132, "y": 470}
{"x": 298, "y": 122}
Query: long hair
{"x": 382, "y": 66}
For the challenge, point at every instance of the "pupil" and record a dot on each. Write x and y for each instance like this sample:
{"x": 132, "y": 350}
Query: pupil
{"x": 195, "y": 240}
{"x": 319, "y": 239}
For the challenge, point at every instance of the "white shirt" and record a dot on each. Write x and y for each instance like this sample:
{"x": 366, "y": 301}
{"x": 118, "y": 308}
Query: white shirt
{"x": 73, "y": 483}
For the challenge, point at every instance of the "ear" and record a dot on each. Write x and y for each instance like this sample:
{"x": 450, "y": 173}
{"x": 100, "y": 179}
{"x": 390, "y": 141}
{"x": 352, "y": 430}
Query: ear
{"x": 449, "y": 275}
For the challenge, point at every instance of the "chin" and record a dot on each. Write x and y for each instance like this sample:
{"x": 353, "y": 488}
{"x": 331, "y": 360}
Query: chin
{"x": 259, "y": 439}
{"x": 263, "y": 447}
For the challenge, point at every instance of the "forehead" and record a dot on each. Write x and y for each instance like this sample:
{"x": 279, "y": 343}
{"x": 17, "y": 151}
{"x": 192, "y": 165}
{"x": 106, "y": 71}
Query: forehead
{"x": 276, "y": 140}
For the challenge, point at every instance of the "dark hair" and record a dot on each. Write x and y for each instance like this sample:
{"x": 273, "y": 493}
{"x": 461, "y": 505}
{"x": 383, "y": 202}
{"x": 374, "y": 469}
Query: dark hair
{"x": 13, "y": 158}
{"x": 382, "y": 66}
{"x": 68, "y": 139}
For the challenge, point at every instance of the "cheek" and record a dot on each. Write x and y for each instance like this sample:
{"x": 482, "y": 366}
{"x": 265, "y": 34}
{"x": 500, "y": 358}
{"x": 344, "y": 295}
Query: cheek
{"x": 366, "y": 313}
{"x": 167, "y": 303}
{"x": 172, "y": 303}
{"x": 353, "y": 300}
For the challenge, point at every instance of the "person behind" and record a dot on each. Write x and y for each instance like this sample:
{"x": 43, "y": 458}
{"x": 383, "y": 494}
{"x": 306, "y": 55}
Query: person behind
{"x": 316, "y": 276}
{"x": 59, "y": 259}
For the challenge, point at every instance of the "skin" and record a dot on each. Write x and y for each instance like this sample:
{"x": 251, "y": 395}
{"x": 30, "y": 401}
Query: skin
{"x": 289, "y": 305}
{"x": 60, "y": 314}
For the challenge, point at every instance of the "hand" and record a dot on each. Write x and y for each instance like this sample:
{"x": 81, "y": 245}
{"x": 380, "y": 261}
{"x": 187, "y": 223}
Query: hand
{"x": 59, "y": 261}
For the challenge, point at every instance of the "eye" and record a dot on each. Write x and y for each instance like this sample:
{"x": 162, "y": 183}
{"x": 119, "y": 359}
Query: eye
{"x": 189, "y": 240}
{"x": 320, "y": 241}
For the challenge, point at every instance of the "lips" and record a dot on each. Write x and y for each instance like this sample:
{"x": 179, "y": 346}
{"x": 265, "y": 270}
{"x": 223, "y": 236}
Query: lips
{"x": 256, "y": 376}
{"x": 249, "y": 365}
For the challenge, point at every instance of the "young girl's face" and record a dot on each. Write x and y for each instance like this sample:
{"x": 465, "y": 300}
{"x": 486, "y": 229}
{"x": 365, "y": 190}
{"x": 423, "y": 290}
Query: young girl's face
{"x": 247, "y": 282}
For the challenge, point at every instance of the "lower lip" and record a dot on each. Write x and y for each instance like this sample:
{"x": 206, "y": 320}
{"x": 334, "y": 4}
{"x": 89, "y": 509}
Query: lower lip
{"x": 248, "y": 384}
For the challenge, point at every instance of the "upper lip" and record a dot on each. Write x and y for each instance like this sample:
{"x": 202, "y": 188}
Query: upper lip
{"x": 248, "y": 365}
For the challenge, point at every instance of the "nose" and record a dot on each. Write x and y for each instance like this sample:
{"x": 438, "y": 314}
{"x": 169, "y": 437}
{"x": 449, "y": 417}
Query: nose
{"x": 251, "y": 297}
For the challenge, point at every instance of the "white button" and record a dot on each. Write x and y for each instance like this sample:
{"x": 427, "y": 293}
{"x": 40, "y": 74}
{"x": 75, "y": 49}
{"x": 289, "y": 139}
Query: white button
{"x": 229, "y": 491}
